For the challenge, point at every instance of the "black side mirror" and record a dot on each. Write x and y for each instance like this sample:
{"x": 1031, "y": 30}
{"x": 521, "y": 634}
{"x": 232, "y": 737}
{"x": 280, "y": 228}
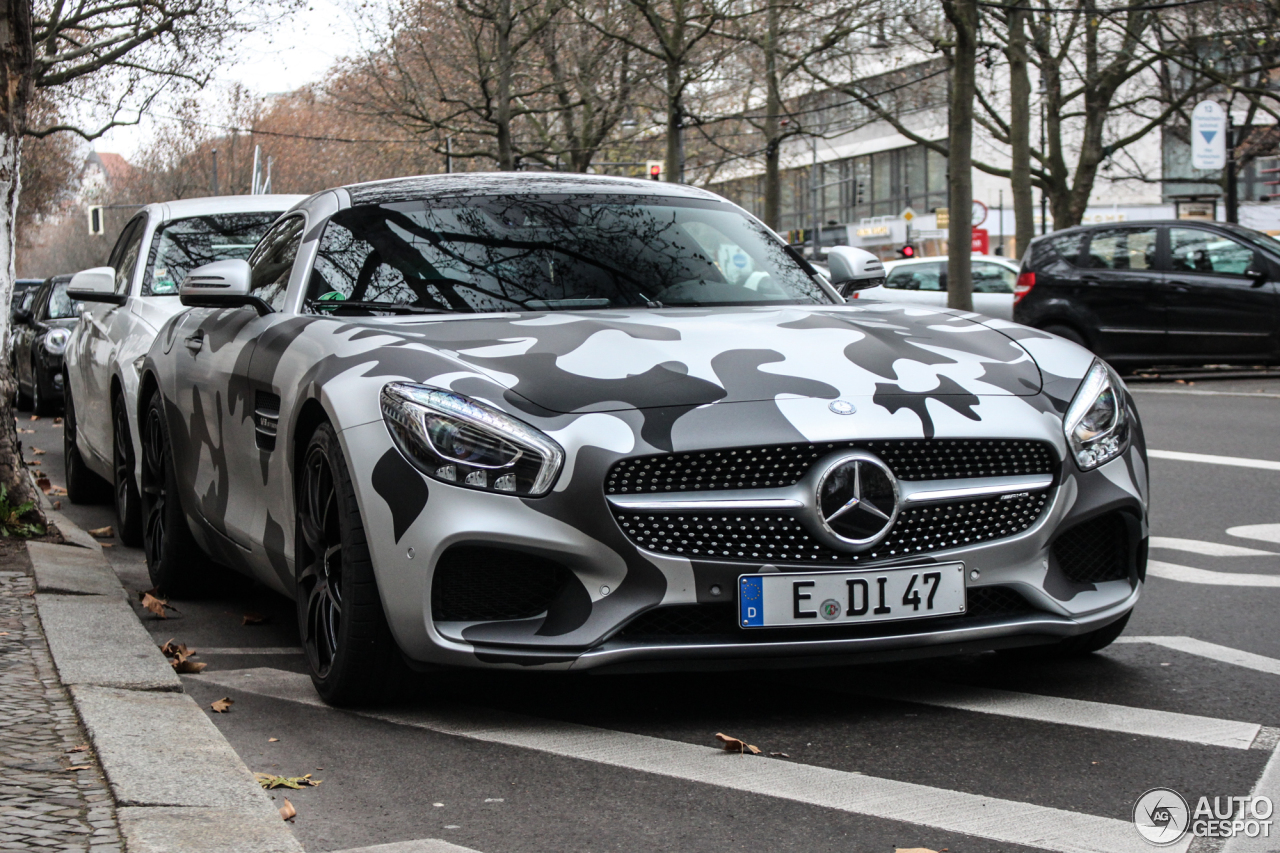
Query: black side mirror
{"x": 1258, "y": 271}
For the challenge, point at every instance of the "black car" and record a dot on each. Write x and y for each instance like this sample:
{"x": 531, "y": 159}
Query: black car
{"x": 41, "y": 329}
{"x": 22, "y": 288}
{"x": 1161, "y": 291}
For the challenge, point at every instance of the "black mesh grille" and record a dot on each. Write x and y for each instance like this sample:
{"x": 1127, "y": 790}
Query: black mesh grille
{"x": 773, "y": 538}
{"x": 476, "y": 584}
{"x": 784, "y": 464}
{"x": 1095, "y": 551}
{"x": 710, "y": 620}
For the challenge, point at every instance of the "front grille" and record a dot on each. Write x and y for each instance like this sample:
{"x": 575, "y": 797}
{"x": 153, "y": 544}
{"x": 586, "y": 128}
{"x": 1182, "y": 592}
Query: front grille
{"x": 720, "y": 620}
{"x": 477, "y": 584}
{"x": 782, "y": 465}
{"x": 769, "y": 537}
{"x": 1095, "y": 551}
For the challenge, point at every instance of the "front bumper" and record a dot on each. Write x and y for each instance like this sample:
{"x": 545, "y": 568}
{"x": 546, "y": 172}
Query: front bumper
{"x": 615, "y": 583}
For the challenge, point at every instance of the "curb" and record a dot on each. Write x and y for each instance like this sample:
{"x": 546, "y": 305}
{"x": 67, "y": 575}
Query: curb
{"x": 178, "y": 785}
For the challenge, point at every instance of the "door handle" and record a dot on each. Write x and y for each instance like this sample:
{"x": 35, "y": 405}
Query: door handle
{"x": 1178, "y": 285}
{"x": 195, "y": 342}
{"x": 1089, "y": 279}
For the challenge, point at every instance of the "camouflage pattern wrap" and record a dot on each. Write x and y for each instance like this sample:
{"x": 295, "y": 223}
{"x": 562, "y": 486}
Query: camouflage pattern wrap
{"x": 608, "y": 385}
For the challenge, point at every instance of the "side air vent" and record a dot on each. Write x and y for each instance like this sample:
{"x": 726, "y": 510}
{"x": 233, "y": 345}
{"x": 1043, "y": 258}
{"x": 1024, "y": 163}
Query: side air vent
{"x": 266, "y": 419}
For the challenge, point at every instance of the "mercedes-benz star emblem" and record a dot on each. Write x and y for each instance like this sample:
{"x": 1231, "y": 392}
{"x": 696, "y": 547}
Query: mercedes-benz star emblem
{"x": 857, "y": 500}
{"x": 842, "y": 407}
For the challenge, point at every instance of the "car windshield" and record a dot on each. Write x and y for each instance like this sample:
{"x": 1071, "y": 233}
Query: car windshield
{"x": 1257, "y": 238}
{"x": 181, "y": 245}
{"x": 60, "y": 305}
{"x": 525, "y": 252}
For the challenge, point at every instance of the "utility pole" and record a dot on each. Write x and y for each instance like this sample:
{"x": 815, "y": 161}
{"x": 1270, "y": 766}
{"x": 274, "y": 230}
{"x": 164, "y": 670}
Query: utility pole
{"x": 813, "y": 196}
{"x": 448, "y": 155}
{"x": 215, "y": 171}
{"x": 1233, "y": 204}
{"x": 1001, "y": 252}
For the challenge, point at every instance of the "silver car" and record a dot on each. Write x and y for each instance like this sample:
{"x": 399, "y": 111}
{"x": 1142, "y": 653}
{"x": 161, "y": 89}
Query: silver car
{"x": 566, "y": 422}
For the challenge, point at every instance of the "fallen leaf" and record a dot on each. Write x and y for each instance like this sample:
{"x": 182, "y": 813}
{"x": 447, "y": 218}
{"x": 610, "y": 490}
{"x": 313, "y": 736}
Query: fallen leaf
{"x": 81, "y": 767}
{"x": 188, "y": 667}
{"x": 778, "y": 755}
{"x": 273, "y": 740}
{"x": 103, "y": 532}
{"x": 732, "y": 744}
{"x": 170, "y": 649}
{"x": 252, "y": 618}
{"x": 28, "y": 431}
{"x": 44, "y": 484}
{"x": 287, "y": 811}
{"x": 222, "y": 705}
{"x": 155, "y": 605}
{"x": 57, "y": 504}
{"x": 37, "y": 451}
{"x": 35, "y": 417}
{"x": 297, "y": 783}
{"x": 81, "y": 748}
{"x": 915, "y": 850}
{"x": 57, "y": 420}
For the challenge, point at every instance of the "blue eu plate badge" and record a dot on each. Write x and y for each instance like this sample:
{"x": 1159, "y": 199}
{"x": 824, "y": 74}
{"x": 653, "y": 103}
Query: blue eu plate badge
{"x": 751, "y": 601}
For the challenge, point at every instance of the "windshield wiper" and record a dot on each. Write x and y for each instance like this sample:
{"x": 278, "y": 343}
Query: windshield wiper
{"x": 331, "y": 306}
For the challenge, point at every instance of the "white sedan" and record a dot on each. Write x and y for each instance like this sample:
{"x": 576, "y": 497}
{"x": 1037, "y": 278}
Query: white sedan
{"x": 127, "y": 302}
{"x": 924, "y": 280}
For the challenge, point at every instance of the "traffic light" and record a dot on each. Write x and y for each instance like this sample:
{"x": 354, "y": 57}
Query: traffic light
{"x": 907, "y": 251}
{"x": 95, "y": 220}
{"x": 655, "y": 169}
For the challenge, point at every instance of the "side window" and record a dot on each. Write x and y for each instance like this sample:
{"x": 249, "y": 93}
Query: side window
{"x": 1122, "y": 249}
{"x": 1067, "y": 246}
{"x": 124, "y": 257}
{"x": 917, "y": 277}
{"x": 993, "y": 278}
{"x": 1193, "y": 250}
{"x": 272, "y": 260}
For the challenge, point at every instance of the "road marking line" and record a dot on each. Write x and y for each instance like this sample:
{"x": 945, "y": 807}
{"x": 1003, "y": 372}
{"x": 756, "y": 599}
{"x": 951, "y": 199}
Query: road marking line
{"x": 1212, "y": 651}
{"x": 1188, "y": 574}
{"x": 422, "y": 845}
{"x": 1238, "y": 461}
{"x": 1189, "y": 728}
{"x": 1268, "y": 786}
{"x": 1264, "y": 532}
{"x": 1210, "y": 549}
{"x": 252, "y": 650}
{"x": 951, "y": 811}
{"x": 1140, "y": 390}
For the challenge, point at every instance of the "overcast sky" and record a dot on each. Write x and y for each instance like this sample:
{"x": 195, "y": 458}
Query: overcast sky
{"x": 279, "y": 58}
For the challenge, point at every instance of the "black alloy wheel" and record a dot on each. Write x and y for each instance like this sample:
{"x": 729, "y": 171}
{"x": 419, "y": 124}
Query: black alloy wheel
{"x": 40, "y": 403}
{"x": 352, "y": 656}
{"x": 127, "y": 500}
{"x": 83, "y": 485}
{"x": 174, "y": 561}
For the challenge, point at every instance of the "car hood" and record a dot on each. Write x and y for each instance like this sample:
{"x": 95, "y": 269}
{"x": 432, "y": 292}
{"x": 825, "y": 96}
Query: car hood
{"x": 611, "y": 360}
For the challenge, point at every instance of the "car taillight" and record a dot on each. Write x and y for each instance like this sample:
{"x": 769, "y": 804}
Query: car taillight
{"x": 1022, "y": 287}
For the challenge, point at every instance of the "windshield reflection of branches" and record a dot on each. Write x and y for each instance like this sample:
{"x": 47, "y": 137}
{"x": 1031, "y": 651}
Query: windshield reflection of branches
{"x": 501, "y": 253}
{"x": 184, "y": 244}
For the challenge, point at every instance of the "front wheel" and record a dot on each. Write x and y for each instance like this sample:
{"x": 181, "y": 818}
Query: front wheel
{"x": 1068, "y": 333}
{"x": 128, "y": 501}
{"x": 351, "y": 653}
{"x": 174, "y": 560}
{"x": 40, "y": 403}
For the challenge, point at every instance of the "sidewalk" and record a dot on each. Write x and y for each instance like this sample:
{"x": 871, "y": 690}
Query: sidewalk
{"x": 52, "y": 793}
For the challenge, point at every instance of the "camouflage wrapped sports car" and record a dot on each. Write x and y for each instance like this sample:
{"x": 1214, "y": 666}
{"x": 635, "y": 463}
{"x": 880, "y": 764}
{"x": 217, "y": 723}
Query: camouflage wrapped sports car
{"x": 573, "y": 422}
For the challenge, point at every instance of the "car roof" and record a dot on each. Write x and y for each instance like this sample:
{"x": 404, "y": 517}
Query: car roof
{"x": 906, "y": 262}
{"x": 186, "y": 207}
{"x": 496, "y": 183}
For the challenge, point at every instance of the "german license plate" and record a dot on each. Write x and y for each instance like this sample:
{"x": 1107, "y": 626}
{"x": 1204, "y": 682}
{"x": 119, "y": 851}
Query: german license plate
{"x": 836, "y": 598}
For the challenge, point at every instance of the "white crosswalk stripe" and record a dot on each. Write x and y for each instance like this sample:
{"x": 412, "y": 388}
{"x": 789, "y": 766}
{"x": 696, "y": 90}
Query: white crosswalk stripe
{"x": 1263, "y": 532}
{"x": 1189, "y": 574}
{"x": 1072, "y": 712}
{"x": 1268, "y": 786}
{"x": 952, "y": 811}
{"x": 422, "y": 845}
{"x": 1234, "y": 461}
{"x": 1212, "y": 651}
{"x": 1209, "y": 549}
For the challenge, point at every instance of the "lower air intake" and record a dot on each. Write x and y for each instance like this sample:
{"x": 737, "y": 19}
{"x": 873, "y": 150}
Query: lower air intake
{"x": 479, "y": 584}
{"x": 1094, "y": 551}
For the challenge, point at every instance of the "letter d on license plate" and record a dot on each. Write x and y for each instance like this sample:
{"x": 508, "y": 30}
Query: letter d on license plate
{"x": 835, "y": 598}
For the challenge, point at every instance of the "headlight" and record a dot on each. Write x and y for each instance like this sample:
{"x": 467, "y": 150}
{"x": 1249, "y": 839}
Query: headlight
{"x": 1096, "y": 425}
{"x": 458, "y": 440}
{"x": 55, "y": 341}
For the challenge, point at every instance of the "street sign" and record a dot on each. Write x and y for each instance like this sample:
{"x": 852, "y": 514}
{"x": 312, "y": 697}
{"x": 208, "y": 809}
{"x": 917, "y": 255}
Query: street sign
{"x": 1208, "y": 136}
{"x": 908, "y": 214}
{"x": 979, "y": 213}
{"x": 944, "y": 217}
{"x": 981, "y": 242}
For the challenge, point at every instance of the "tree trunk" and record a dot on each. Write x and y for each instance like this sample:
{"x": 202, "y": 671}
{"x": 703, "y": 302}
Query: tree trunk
{"x": 506, "y": 151}
{"x": 16, "y": 55}
{"x": 675, "y": 126}
{"x": 1024, "y": 226}
{"x": 772, "y": 124}
{"x": 963, "y": 15}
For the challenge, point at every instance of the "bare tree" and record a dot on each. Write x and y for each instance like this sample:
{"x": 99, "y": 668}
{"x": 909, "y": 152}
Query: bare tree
{"x": 130, "y": 49}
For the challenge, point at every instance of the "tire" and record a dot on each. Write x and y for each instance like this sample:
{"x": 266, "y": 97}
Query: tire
{"x": 128, "y": 501}
{"x": 1068, "y": 333}
{"x": 350, "y": 651}
{"x": 83, "y": 486}
{"x": 40, "y": 403}
{"x": 174, "y": 560}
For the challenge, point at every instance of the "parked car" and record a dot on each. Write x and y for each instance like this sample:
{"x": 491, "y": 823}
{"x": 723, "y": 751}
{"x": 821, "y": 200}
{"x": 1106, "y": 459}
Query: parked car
{"x": 1164, "y": 291}
{"x": 42, "y": 325}
{"x": 923, "y": 281}
{"x": 531, "y": 421}
{"x": 22, "y": 288}
{"x": 129, "y": 299}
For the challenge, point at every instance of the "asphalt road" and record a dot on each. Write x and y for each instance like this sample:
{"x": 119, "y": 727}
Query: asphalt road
{"x": 525, "y": 762}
